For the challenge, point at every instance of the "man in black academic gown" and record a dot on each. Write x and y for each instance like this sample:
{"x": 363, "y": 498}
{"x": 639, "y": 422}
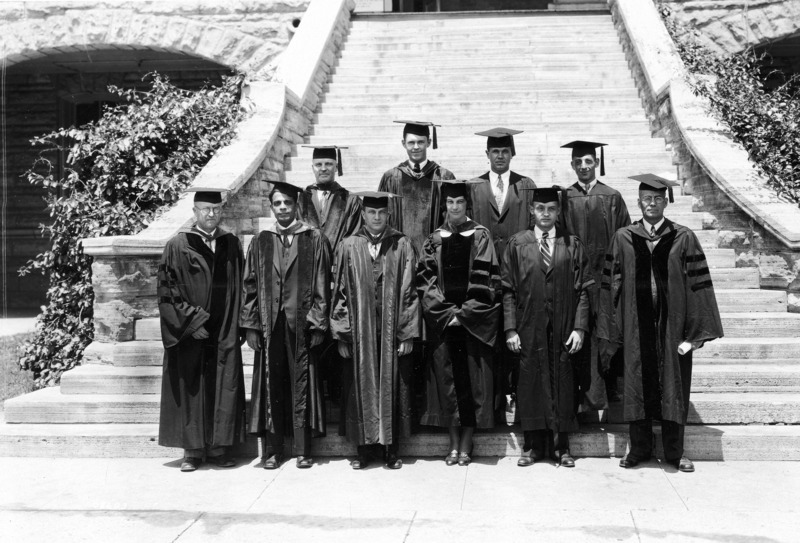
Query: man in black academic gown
{"x": 334, "y": 210}
{"x": 546, "y": 304}
{"x": 326, "y": 204}
{"x": 593, "y": 212}
{"x": 657, "y": 303}
{"x": 202, "y": 388}
{"x": 419, "y": 211}
{"x": 501, "y": 202}
{"x": 285, "y": 299}
{"x": 375, "y": 318}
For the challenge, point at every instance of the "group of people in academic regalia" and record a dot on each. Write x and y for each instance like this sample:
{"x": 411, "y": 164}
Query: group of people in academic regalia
{"x": 434, "y": 301}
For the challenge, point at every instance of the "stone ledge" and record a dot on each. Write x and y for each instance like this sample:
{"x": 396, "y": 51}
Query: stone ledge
{"x": 230, "y": 167}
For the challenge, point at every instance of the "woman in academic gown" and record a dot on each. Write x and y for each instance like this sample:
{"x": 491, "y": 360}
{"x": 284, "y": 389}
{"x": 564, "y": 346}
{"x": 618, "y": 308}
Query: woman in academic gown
{"x": 458, "y": 284}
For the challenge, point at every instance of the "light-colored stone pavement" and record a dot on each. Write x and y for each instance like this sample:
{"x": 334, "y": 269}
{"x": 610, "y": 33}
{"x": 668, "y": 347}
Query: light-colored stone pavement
{"x": 13, "y": 326}
{"x": 120, "y": 500}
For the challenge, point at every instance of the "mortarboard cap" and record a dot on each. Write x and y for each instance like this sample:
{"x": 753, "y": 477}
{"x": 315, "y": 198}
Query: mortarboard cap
{"x": 457, "y": 187}
{"x": 211, "y": 195}
{"x": 581, "y": 147}
{"x": 420, "y": 128}
{"x": 550, "y": 194}
{"x": 332, "y": 152}
{"x": 376, "y": 199}
{"x": 650, "y": 181}
{"x": 285, "y": 188}
{"x": 500, "y": 137}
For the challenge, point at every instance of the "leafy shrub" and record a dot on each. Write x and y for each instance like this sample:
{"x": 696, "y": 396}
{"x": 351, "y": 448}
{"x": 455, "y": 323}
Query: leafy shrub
{"x": 120, "y": 171}
{"x": 766, "y": 123}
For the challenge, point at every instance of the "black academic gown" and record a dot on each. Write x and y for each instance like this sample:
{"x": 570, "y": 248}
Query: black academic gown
{"x": 418, "y": 213}
{"x": 544, "y": 306}
{"x": 303, "y": 295}
{"x": 375, "y": 309}
{"x": 594, "y": 218}
{"x": 342, "y": 217}
{"x": 657, "y": 378}
{"x": 202, "y": 388}
{"x": 469, "y": 292}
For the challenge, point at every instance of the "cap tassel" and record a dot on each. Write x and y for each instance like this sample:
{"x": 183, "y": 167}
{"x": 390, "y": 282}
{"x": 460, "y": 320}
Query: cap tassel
{"x": 602, "y": 162}
{"x": 435, "y": 143}
{"x": 671, "y": 198}
{"x": 339, "y": 162}
{"x": 513, "y": 149}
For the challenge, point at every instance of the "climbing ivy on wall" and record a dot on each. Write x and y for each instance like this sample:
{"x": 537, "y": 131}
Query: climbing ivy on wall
{"x": 120, "y": 172}
{"x": 766, "y": 123}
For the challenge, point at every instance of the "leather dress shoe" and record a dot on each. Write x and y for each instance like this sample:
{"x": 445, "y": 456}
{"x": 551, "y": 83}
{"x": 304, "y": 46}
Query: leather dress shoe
{"x": 191, "y": 463}
{"x": 273, "y": 462}
{"x": 567, "y": 461}
{"x": 526, "y": 459}
{"x": 464, "y": 459}
{"x": 221, "y": 461}
{"x": 393, "y": 461}
{"x": 304, "y": 462}
{"x": 360, "y": 462}
{"x": 452, "y": 458}
{"x": 629, "y": 461}
{"x": 683, "y": 464}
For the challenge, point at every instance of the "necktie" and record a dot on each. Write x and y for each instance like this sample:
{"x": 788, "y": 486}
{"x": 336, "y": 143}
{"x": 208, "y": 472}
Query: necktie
{"x": 323, "y": 202}
{"x": 544, "y": 247}
{"x": 652, "y": 230}
{"x": 653, "y": 284}
{"x": 499, "y": 196}
{"x": 417, "y": 169}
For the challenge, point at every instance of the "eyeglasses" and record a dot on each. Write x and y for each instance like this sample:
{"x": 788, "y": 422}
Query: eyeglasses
{"x": 658, "y": 200}
{"x": 207, "y": 210}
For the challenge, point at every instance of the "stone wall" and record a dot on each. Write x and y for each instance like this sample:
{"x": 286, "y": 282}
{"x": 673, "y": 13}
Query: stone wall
{"x": 755, "y": 245}
{"x": 247, "y": 34}
{"x": 733, "y": 25}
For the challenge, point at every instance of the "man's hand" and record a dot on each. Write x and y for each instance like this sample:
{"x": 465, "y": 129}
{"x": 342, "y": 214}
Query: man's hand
{"x": 575, "y": 341}
{"x": 513, "y": 342}
{"x": 317, "y": 338}
{"x": 454, "y": 321}
{"x": 405, "y": 348}
{"x": 253, "y": 339}
{"x": 200, "y": 333}
{"x": 344, "y": 349}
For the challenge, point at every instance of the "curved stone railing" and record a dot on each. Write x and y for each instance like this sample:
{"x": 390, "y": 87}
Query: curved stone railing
{"x": 124, "y": 267}
{"x": 723, "y": 160}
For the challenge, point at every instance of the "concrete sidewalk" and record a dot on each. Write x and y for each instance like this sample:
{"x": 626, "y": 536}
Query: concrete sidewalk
{"x": 150, "y": 500}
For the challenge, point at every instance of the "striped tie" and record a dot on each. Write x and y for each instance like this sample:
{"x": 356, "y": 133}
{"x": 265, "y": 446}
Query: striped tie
{"x": 545, "y": 249}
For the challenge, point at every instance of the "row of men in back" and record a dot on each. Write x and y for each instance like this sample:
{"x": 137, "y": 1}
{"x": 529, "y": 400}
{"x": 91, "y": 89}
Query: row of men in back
{"x": 526, "y": 293}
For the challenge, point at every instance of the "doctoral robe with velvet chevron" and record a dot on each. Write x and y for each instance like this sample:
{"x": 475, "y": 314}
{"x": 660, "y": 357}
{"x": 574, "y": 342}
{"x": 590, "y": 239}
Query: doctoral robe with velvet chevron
{"x": 342, "y": 216}
{"x": 458, "y": 276}
{"x": 657, "y": 378}
{"x": 202, "y": 388}
{"x": 374, "y": 309}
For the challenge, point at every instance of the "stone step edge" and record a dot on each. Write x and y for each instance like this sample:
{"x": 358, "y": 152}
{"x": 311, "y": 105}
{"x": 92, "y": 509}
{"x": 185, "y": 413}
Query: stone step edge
{"x": 707, "y": 442}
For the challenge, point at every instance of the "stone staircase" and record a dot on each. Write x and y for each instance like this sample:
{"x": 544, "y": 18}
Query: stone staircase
{"x": 559, "y": 77}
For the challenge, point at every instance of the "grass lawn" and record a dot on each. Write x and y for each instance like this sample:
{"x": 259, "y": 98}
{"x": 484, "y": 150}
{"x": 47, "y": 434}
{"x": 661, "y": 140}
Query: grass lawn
{"x": 13, "y": 381}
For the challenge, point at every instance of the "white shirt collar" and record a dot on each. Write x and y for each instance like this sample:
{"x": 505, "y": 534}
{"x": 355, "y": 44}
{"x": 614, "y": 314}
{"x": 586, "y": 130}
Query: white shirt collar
{"x": 281, "y": 230}
{"x": 550, "y": 233}
{"x": 421, "y": 164}
{"x": 657, "y": 225}
{"x": 588, "y": 187}
{"x": 209, "y": 234}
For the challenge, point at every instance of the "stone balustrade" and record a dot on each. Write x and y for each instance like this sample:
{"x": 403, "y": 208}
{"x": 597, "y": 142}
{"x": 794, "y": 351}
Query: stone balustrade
{"x": 764, "y": 230}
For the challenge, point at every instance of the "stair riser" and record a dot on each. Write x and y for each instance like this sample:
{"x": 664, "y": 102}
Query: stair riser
{"x": 743, "y": 327}
{"x": 147, "y": 412}
{"x": 747, "y": 352}
{"x": 448, "y": 65}
{"x": 403, "y": 83}
{"x": 422, "y": 48}
{"x": 558, "y": 132}
{"x": 468, "y": 148}
{"x": 547, "y": 164}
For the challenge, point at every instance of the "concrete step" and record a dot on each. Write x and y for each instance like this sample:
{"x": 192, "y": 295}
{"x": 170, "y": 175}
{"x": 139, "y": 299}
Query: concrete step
{"x": 552, "y": 111}
{"x": 556, "y": 132}
{"x": 727, "y": 350}
{"x": 758, "y": 376}
{"x": 402, "y": 64}
{"x": 747, "y": 300}
{"x": 598, "y": 25}
{"x": 466, "y": 146}
{"x": 148, "y": 352}
{"x": 364, "y": 52}
{"x": 707, "y": 442}
{"x": 745, "y": 378}
{"x": 761, "y": 325}
{"x": 49, "y": 406}
{"x": 534, "y": 19}
{"x": 597, "y": 79}
{"x": 107, "y": 380}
